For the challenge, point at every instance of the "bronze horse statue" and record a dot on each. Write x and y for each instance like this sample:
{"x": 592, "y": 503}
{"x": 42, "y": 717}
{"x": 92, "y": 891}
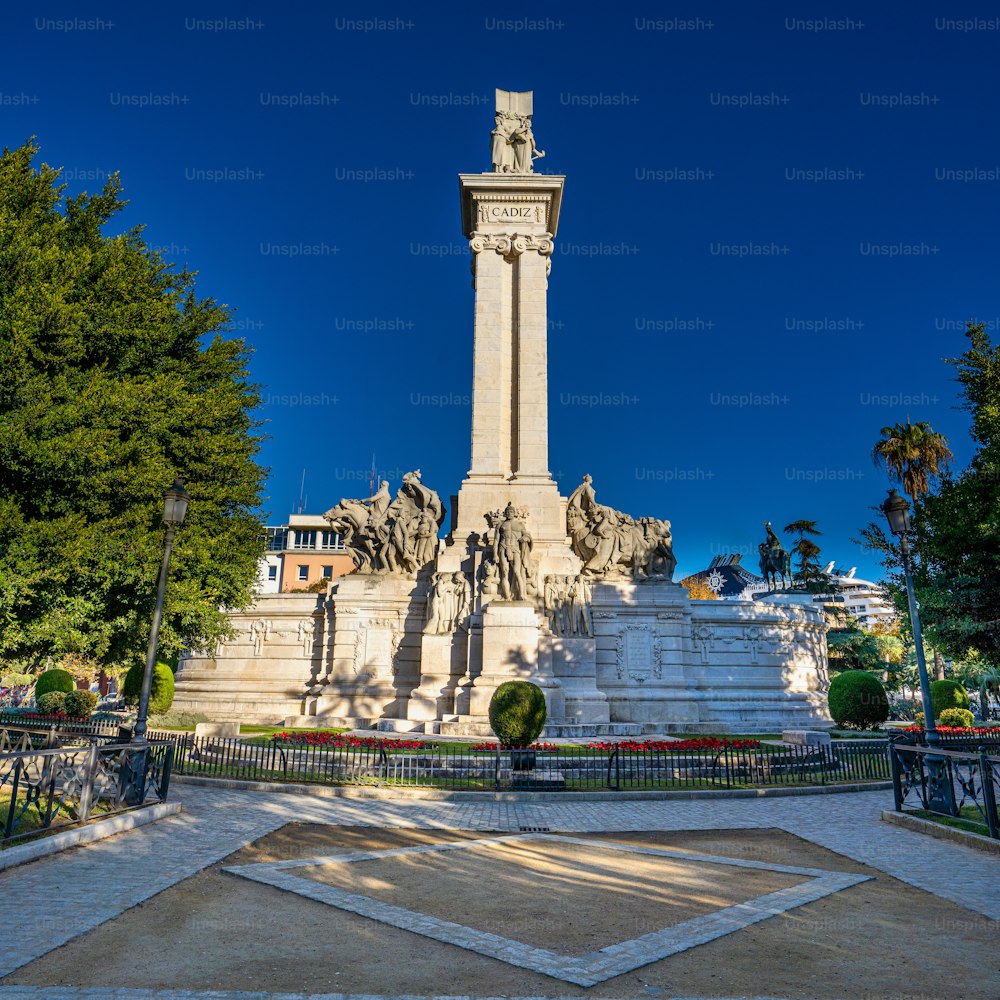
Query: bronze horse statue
{"x": 775, "y": 563}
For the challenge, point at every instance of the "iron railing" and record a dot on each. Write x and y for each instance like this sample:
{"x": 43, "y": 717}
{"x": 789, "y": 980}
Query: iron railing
{"x": 44, "y": 789}
{"x": 950, "y": 782}
{"x": 441, "y": 765}
{"x": 457, "y": 767}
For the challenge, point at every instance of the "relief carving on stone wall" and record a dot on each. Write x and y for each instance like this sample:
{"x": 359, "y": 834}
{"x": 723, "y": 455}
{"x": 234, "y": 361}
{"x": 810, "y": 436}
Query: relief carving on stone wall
{"x": 567, "y": 605}
{"x": 448, "y": 604}
{"x": 638, "y": 653}
{"x": 260, "y": 632}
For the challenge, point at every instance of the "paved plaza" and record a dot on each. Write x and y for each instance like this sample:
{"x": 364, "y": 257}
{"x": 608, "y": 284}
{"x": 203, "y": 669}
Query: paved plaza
{"x": 82, "y": 890}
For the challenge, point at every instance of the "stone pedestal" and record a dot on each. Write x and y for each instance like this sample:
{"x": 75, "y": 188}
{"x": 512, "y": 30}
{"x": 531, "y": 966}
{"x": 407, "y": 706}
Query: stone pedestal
{"x": 510, "y": 651}
{"x": 373, "y": 658}
{"x": 574, "y": 664}
{"x": 263, "y": 673}
{"x": 442, "y": 666}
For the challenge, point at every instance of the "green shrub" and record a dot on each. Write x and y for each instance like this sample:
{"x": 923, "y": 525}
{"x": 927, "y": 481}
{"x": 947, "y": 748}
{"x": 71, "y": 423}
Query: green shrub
{"x": 947, "y": 694}
{"x": 162, "y": 695}
{"x": 918, "y": 718}
{"x": 52, "y": 703}
{"x": 517, "y": 713}
{"x": 79, "y": 704}
{"x": 54, "y": 680}
{"x": 14, "y": 680}
{"x": 959, "y": 718}
{"x": 857, "y": 700}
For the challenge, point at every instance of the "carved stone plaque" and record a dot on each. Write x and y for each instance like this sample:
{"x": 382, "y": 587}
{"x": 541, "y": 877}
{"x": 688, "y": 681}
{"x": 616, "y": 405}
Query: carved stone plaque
{"x": 638, "y": 653}
{"x": 378, "y": 651}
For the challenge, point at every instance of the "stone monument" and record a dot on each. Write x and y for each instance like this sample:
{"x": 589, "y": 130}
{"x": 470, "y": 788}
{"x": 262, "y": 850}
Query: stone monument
{"x": 567, "y": 592}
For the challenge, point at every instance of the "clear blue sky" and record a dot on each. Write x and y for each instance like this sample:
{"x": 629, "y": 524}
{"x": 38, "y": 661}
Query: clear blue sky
{"x": 724, "y": 342}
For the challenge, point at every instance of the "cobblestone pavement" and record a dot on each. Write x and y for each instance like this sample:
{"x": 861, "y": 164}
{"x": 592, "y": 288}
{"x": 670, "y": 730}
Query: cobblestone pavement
{"x": 96, "y": 883}
{"x": 76, "y": 993}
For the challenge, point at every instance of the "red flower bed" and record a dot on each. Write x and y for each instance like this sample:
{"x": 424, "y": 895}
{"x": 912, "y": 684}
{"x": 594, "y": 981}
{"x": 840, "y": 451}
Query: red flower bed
{"x": 57, "y": 717}
{"x": 959, "y": 731}
{"x": 341, "y": 741}
{"x": 670, "y": 746}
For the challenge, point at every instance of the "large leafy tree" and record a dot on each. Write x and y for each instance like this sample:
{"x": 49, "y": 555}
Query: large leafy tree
{"x": 114, "y": 378}
{"x": 958, "y": 581}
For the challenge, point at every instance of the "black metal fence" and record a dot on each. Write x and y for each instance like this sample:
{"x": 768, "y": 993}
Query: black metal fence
{"x": 44, "y": 787}
{"x": 960, "y": 783}
{"x": 456, "y": 767}
{"x": 440, "y": 765}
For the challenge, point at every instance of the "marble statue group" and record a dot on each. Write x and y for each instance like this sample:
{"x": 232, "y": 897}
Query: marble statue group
{"x": 391, "y": 536}
{"x": 612, "y": 543}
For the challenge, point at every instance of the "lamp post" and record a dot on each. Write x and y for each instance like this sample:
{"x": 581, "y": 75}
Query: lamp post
{"x": 175, "y": 502}
{"x": 942, "y": 798}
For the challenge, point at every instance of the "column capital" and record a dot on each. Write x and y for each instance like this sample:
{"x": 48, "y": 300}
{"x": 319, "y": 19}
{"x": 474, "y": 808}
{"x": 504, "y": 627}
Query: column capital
{"x": 512, "y": 245}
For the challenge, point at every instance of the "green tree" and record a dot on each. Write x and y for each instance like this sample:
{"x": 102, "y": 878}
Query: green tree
{"x": 809, "y": 573}
{"x": 913, "y": 454}
{"x": 114, "y": 378}
{"x": 958, "y": 581}
{"x": 853, "y": 647}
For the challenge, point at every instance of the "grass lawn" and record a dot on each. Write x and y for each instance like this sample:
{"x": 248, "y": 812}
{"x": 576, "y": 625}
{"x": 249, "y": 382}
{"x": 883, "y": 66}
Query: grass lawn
{"x": 31, "y": 822}
{"x": 970, "y": 820}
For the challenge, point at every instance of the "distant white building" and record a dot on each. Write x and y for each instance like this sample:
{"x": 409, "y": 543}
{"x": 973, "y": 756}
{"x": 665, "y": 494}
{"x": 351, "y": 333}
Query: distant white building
{"x": 865, "y": 600}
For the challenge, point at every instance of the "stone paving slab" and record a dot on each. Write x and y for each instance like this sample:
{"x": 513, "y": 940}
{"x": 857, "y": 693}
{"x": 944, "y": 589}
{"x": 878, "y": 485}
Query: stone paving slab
{"x": 580, "y": 970}
{"x": 90, "y": 993}
{"x": 98, "y": 882}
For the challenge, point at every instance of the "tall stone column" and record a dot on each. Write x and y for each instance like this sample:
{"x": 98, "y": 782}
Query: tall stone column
{"x": 511, "y": 221}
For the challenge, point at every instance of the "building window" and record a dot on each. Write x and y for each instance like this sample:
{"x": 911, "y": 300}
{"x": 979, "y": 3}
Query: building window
{"x": 303, "y": 574}
{"x": 331, "y": 540}
{"x": 272, "y": 572}
{"x": 327, "y": 572}
{"x": 305, "y": 540}
{"x": 277, "y": 539}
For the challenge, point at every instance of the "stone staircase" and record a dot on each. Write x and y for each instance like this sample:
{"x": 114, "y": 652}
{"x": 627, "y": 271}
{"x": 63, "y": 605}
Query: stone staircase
{"x": 476, "y": 726}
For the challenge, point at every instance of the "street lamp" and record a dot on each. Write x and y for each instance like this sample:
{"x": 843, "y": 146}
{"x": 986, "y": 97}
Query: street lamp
{"x": 175, "y": 502}
{"x": 897, "y": 512}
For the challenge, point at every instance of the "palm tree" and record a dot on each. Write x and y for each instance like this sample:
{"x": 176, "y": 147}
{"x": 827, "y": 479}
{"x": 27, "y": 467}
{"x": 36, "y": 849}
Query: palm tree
{"x": 806, "y": 549}
{"x": 912, "y": 453}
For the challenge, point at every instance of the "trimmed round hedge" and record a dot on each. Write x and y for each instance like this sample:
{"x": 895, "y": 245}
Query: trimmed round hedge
{"x": 948, "y": 694}
{"x": 958, "y": 718}
{"x": 79, "y": 704}
{"x": 54, "y": 680}
{"x": 517, "y": 713}
{"x": 52, "y": 703}
{"x": 162, "y": 694}
{"x": 857, "y": 700}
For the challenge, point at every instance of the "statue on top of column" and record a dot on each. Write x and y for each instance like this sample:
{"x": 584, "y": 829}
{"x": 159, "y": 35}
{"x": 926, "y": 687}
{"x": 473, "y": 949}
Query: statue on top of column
{"x": 398, "y": 537}
{"x": 512, "y": 141}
